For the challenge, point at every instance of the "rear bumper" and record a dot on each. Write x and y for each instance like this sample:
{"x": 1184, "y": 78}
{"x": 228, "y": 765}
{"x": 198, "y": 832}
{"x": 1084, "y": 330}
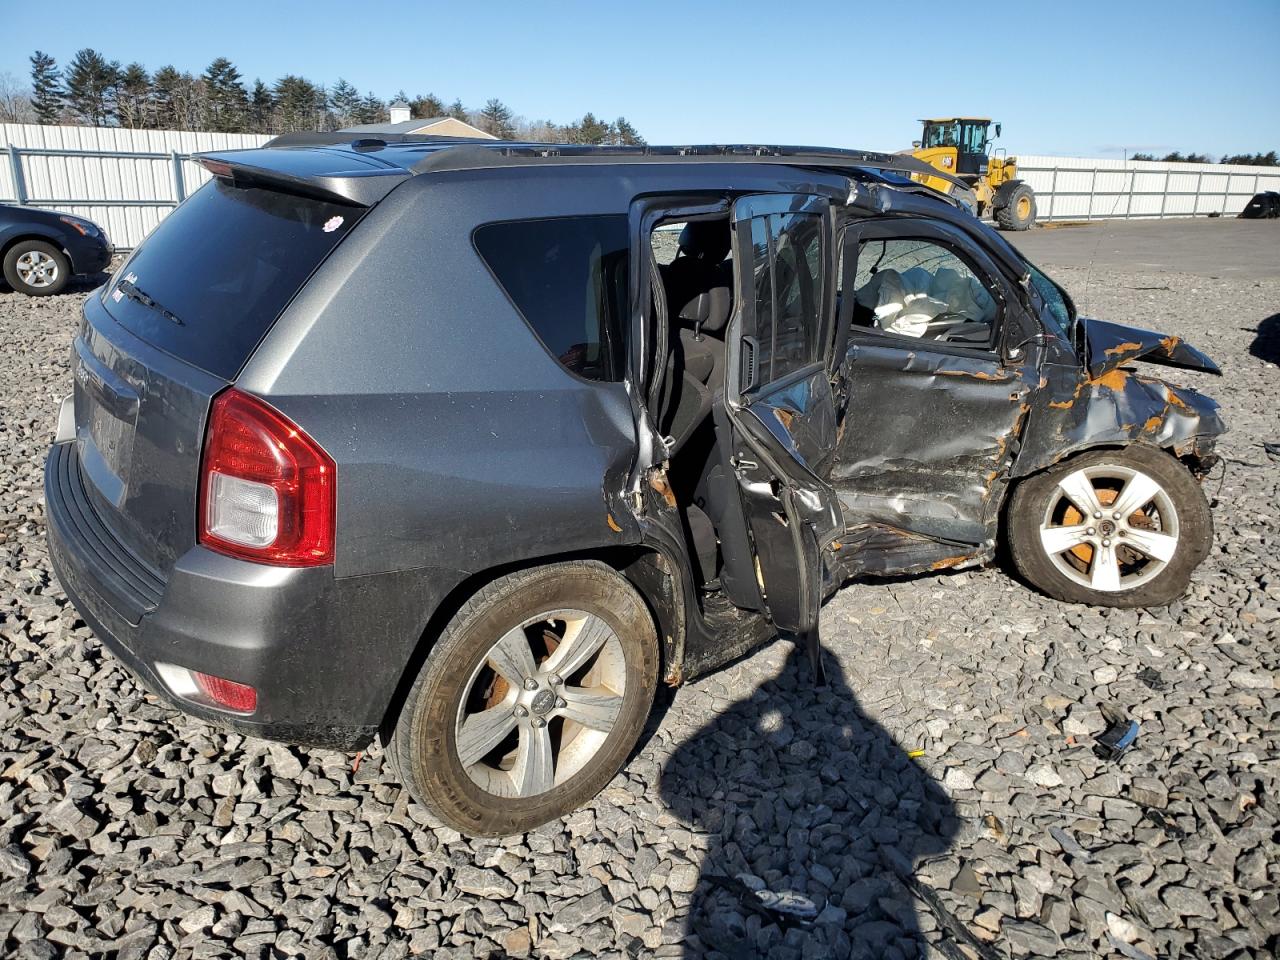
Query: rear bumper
{"x": 325, "y": 655}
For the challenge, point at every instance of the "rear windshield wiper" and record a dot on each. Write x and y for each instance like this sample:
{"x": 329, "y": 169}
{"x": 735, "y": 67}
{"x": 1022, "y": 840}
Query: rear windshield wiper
{"x": 137, "y": 294}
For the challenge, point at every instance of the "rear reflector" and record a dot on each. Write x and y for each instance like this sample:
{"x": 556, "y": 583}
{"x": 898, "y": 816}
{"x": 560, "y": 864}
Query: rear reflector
{"x": 208, "y": 690}
{"x": 239, "y": 697}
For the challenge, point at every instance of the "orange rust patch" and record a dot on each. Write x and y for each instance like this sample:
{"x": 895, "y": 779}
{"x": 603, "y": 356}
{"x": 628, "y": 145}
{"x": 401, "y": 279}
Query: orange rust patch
{"x": 947, "y": 562}
{"x": 1176, "y": 400}
{"x": 613, "y": 524}
{"x": 1170, "y": 342}
{"x": 1122, "y": 348}
{"x": 978, "y": 375}
{"x": 784, "y": 417}
{"x": 1113, "y": 379}
{"x": 1063, "y": 404}
{"x": 1152, "y": 424}
{"x": 659, "y": 483}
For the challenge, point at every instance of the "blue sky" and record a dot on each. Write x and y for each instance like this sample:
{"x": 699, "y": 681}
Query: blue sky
{"x": 1068, "y": 78}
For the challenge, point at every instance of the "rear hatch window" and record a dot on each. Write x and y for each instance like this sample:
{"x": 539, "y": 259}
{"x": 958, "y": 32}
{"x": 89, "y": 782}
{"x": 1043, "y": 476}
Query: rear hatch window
{"x": 208, "y": 283}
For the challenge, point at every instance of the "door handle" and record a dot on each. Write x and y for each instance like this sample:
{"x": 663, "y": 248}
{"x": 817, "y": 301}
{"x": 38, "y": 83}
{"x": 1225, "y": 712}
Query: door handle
{"x": 741, "y": 463}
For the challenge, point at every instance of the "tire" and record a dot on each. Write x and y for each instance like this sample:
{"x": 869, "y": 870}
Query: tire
{"x": 1105, "y": 567}
{"x": 36, "y": 268}
{"x": 1017, "y": 209}
{"x": 458, "y": 680}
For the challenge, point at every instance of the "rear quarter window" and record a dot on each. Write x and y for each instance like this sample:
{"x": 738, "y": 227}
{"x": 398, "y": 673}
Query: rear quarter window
{"x": 223, "y": 266}
{"x": 568, "y": 278}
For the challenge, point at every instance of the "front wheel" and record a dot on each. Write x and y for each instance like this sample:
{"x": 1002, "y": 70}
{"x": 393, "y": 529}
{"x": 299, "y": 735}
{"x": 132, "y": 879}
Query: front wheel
{"x": 36, "y": 268}
{"x": 531, "y": 700}
{"x": 1117, "y": 528}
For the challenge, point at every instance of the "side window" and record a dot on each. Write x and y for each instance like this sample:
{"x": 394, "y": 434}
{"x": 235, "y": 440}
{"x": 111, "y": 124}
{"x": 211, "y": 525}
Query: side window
{"x": 787, "y": 260}
{"x": 921, "y": 290}
{"x": 568, "y": 278}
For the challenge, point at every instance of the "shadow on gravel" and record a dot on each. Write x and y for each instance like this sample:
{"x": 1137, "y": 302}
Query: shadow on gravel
{"x": 1266, "y": 345}
{"x": 81, "y": 283}
{"x": 798, "y": 789}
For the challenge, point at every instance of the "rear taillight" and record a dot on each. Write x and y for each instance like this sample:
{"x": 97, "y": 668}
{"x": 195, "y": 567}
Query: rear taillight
{"x": 266, "y": 488}
{"x": 227, "y": 694}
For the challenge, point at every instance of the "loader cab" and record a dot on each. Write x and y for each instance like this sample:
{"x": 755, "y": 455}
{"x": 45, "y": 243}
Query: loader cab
{"x": 968, "y": 136}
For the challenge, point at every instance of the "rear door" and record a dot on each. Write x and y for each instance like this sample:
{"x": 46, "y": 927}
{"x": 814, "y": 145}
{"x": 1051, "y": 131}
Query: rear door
{"x": 779, "y": 400}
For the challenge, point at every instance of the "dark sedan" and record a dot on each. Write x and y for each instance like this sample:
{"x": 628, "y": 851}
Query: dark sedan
{"x": 43, "y": 249}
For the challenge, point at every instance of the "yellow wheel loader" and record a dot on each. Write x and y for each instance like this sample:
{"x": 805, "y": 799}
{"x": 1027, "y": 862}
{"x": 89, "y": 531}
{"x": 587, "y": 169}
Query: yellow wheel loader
{"x": 960, "y": 146}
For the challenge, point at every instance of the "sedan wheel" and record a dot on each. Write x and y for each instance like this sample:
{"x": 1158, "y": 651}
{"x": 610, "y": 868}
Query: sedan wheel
{"x": 36, "y": 268}
{"x": 1118, "y": 528}
{"x": 530, "y": 701}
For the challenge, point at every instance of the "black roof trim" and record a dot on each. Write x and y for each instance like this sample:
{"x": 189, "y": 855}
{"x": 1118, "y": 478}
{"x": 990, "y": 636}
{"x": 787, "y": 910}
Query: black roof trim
{"x": 453, "y": 153}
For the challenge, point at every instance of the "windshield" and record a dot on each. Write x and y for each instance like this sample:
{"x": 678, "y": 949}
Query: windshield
{"x": 216, "y": 273}
{"x": 969, "y": 136}
{"x": 1058, "y": 313}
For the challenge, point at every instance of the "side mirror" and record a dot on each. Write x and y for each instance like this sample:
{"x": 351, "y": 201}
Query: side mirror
{"x": 997, "y": 129}
{"x": 916, "y": 144}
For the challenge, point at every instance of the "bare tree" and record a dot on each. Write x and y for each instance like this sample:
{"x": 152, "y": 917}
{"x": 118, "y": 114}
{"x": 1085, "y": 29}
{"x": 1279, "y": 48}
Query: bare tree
{"x": 15, "y": 101}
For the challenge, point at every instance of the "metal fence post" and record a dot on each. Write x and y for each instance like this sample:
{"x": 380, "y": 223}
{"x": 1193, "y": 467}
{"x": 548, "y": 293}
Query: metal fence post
{"x": 15, "y": 170}
{"x": 179, "y": 186}
{"x": 1195, "y": 201}
{"x": 1128, "y": 207}
{"x": 1226, "y": 190}
{"x": 1164, "y": 195}
{"x": 1053, "y": 191}
{"x": 1093, "y": 185}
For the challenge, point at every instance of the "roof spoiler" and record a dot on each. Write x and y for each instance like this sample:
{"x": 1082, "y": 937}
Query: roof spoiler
{"x": 324, "y": 175}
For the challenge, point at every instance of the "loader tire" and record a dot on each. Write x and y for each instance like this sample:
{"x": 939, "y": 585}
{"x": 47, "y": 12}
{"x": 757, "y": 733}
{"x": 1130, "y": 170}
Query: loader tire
{"x": 1017, "y": 211}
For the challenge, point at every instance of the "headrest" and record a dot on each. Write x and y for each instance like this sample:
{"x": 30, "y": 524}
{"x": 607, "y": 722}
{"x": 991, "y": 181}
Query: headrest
{"x": 707, "y": 240}
{"x": 708, "y": 311}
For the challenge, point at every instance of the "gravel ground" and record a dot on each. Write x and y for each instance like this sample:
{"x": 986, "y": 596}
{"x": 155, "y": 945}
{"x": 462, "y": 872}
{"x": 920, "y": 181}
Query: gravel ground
{"x": 941, "y": 791}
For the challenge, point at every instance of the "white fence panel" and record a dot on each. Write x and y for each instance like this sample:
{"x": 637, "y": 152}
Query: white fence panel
{"x": 126, "y": 180}
{"x": 1085, "y": 188}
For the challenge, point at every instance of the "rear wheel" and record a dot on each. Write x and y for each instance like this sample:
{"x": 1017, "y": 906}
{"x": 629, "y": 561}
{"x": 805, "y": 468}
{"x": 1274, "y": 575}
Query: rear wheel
{"x": 1017, "y": 210}
{"x": 1120, "y": 528}
{"x": 531, "y": 700}
{"x": 36, "y": 268}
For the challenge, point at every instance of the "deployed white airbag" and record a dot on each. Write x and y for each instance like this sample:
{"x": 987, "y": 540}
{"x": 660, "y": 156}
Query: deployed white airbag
{"x": 905, "y": 303}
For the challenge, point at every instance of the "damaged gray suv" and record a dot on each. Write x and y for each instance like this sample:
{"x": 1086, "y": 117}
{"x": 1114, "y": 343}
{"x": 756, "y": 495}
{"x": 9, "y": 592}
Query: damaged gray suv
{"x": 470, "y": 446}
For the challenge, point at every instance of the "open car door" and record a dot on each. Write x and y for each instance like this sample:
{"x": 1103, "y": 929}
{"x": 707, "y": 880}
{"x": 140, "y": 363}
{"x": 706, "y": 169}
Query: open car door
{"x": 779, "y": 402}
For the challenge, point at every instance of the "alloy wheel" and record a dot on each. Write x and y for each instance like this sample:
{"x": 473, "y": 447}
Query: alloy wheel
{"x": 1109, "y": 527}
{"x": 541, "y": 703}
{"x": 37, "y": 269}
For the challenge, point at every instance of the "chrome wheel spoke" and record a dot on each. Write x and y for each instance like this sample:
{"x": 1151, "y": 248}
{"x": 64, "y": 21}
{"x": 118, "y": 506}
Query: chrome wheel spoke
{"x": 1078, "y": 488}
{"x": 596, "y": 708}
{"x": 1137, "y": 493}
{"x": 1104, "y": 574}
{"x": 1158, "y": 546}
{"x": 534, "y": 770}
{"x": 1060, "y": 539}
{"x": 512, "y": 657}
{"x": 582, "y": 639}
{"x": 481, "y": 732}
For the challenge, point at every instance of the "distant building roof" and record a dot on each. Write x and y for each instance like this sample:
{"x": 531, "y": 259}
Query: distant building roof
{"x": 439, "y": 126}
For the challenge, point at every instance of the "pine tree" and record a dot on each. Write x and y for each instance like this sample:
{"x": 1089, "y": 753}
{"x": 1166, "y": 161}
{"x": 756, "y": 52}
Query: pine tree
{"x": 225, "y": 102}
{"x": 625, "y": 134}
{"x": 457, "y": 111}
{"x": 345, "y": 101}
{"x": 262, "y": 105}
{"x": 133, "y": 98}
{"x": 425, "y": 107}
{"x": 496, "y": 118}
{"x": 587, "y": 130}
{"x": 165, "y": 95}
{"x": 371, "y": 110}
{"x": 91, "y": 87}
{"x": 46, "y": 88}
{"x": 299, "y": 103}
